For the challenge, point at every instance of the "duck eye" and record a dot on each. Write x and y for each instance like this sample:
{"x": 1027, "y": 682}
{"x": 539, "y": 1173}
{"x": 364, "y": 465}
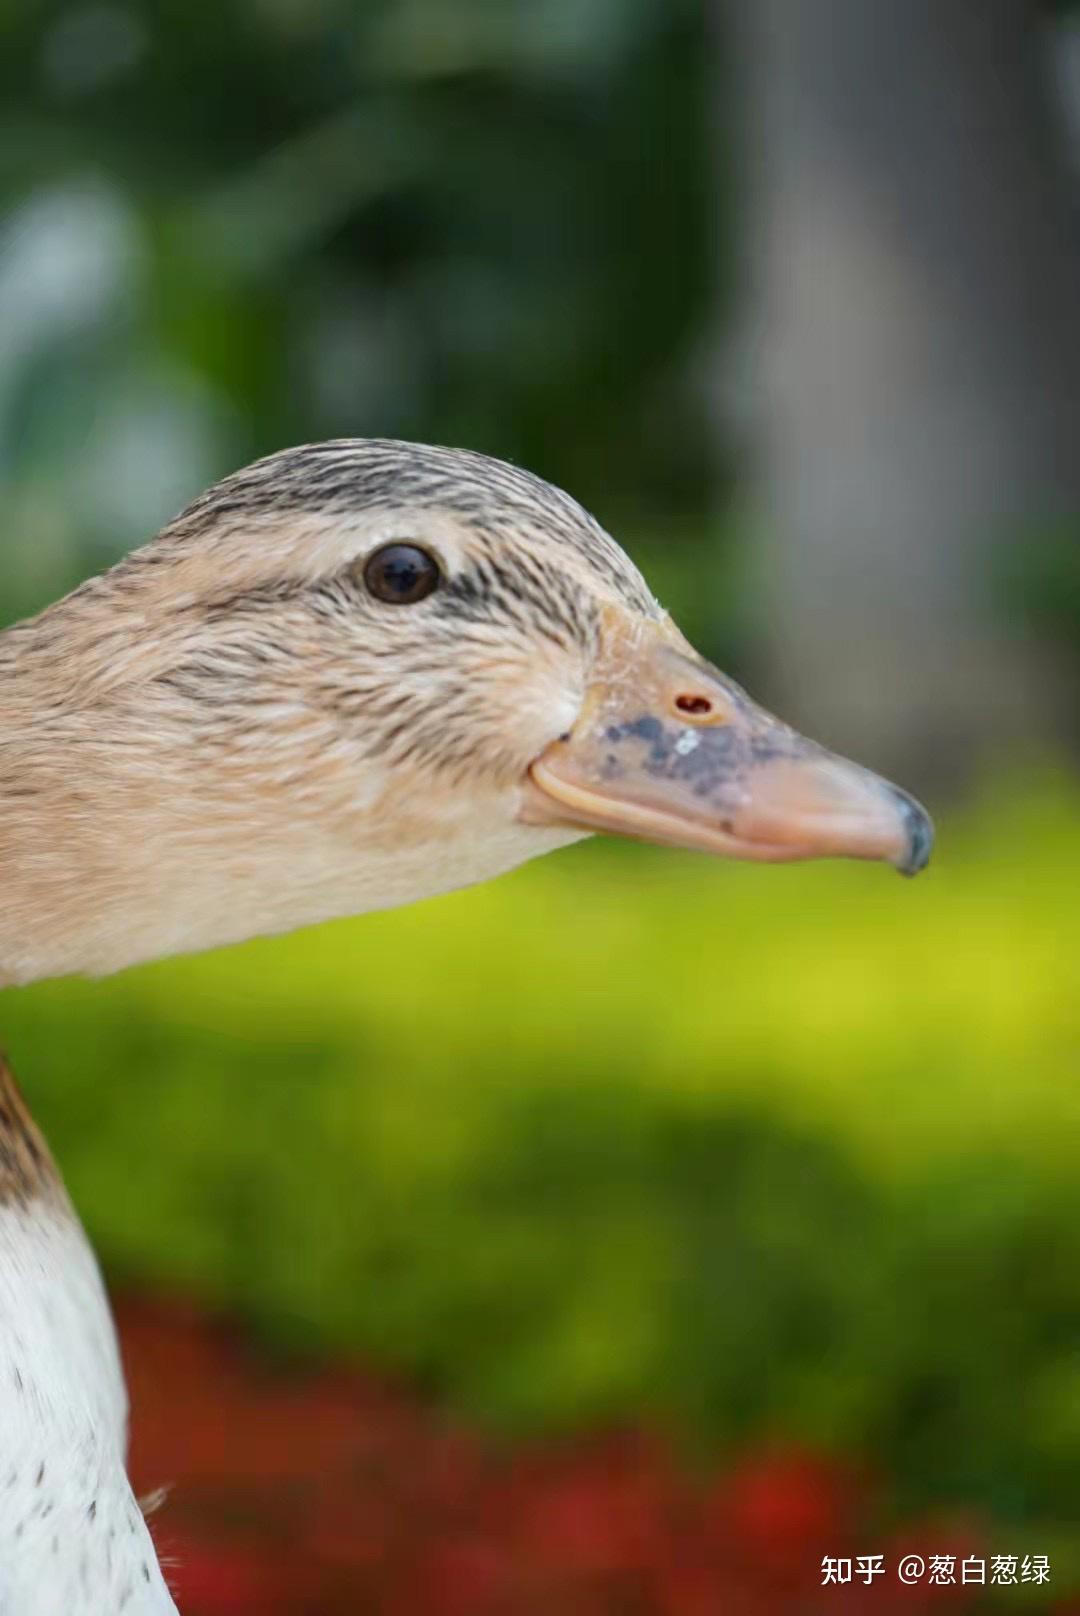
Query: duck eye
{"x": 401, "y": 574}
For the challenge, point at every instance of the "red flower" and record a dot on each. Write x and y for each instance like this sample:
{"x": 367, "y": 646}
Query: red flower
{"x": 327, "y": 1493}
{"x": 220, "y": 1582}
{"x": 786, "y": 1508}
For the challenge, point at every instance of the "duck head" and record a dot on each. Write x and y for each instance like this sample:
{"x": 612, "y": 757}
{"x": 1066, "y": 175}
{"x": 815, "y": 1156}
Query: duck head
{"x": 359, "y": 673}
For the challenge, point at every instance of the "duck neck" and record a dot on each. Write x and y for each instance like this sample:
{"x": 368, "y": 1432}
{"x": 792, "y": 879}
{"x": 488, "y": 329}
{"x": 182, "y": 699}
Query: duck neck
{"x": 69, "y": 861}
{"x": 134, "y": 823}
{"x": 63, "y": 758}
{"x": 122, "y": 841}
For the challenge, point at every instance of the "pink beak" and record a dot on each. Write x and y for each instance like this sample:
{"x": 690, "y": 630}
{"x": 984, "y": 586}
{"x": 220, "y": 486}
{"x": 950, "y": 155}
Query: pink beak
{"x": 667, "y": 749}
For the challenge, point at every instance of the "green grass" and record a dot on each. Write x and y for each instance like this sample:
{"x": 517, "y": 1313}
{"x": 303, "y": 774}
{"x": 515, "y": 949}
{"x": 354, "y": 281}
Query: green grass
{"x": 750, "y": 1149}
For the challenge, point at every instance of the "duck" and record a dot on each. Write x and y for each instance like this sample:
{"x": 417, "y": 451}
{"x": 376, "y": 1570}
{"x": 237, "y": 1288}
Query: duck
{"x": 352, "y": 675}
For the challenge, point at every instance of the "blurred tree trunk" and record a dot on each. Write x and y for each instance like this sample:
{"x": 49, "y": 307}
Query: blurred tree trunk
{"x": 915, "y": 343}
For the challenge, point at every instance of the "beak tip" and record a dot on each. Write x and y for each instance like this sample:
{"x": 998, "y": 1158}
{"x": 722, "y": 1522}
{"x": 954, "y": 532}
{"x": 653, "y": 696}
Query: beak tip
{"x": 919, "y": 831}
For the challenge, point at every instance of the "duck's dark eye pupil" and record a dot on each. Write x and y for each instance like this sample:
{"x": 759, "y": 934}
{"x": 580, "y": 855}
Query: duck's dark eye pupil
{"x": 401, "y": 574}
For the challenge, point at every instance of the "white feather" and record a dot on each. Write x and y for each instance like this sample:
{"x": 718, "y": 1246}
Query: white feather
{"x": 73, "y": 1541}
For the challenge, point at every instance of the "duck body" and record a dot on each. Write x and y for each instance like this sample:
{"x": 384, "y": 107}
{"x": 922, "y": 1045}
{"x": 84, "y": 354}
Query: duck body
{"x": 73, "y": 1541}
{"x": 350, "y": 676}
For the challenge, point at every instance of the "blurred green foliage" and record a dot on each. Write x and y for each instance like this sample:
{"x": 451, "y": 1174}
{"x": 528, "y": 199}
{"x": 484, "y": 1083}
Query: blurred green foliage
{"x": 760, "y": 1151}
{"x": 490, "y": 225}
{"x": 1040, "y": 580}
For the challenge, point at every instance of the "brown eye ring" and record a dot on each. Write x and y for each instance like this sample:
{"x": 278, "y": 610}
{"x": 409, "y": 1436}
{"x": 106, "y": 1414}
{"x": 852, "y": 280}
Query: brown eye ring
{"x": 401, "y": 574}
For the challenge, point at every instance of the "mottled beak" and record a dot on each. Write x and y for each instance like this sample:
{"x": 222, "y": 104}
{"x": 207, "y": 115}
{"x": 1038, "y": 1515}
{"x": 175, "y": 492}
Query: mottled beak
{"x": 667, "y": 749}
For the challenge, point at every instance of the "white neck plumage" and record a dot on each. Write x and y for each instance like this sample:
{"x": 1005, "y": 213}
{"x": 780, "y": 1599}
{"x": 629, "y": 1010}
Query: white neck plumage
{"x": 72, "y": 1537}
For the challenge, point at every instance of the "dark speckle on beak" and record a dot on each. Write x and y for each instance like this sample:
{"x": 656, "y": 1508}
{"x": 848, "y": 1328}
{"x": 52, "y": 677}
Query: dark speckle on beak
{"x": 646, "y": 728}
{"x": 719, "y": 756}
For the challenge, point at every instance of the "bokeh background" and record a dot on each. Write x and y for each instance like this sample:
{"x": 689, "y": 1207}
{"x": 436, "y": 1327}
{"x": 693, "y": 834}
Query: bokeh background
{"x": 627, "y": 1235}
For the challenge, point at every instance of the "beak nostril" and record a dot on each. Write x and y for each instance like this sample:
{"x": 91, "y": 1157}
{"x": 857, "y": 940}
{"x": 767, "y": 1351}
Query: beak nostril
{"x": 696, "y": 706}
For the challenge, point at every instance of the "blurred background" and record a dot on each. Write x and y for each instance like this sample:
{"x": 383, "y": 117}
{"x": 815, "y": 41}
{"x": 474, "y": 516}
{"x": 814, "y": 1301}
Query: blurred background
{"x": 711, "y": 1219}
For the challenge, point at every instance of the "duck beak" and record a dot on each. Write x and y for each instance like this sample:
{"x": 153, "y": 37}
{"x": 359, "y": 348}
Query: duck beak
{"x": 667, "y": 749}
